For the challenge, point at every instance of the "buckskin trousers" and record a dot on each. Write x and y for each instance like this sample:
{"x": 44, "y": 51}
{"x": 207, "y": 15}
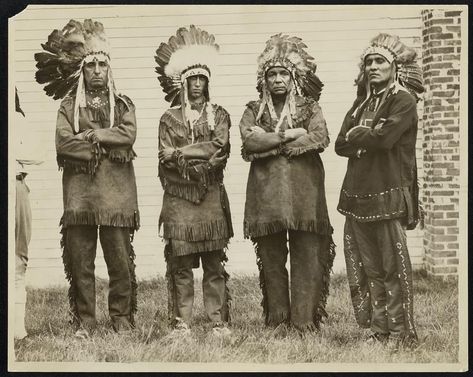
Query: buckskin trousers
{"x": 307, "y": 274}
{"x": 214, "y": 285}
{"x": 380, "y": 275}
{"x": 82, "y": 245}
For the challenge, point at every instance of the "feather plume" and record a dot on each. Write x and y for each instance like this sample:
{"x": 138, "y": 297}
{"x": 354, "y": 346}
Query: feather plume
{"x": 191, "y": 47}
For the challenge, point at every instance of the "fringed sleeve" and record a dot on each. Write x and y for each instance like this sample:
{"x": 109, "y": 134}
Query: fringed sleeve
{"x": 72, "y": 151}
{"x": 316, "y": 138}
{"x": 189, "y": 178}
{"x": 257, "y": 144}
{"x": 249, "y": 157}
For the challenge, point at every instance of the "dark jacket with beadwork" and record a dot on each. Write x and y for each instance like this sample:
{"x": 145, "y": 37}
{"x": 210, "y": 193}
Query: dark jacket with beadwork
{"x": 98, "y": 179}
{"x": 285, "y": 188}
{"x": 381, "y": 183}
{"x": 195, "y": 215}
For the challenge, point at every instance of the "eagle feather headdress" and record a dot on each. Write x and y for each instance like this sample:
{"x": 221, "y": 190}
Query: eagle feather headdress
{"x": 59, "y": 68}
{"x": 190, "y": 52}
{"x": 289, "y": 53}
{"x": 409, "y": 73}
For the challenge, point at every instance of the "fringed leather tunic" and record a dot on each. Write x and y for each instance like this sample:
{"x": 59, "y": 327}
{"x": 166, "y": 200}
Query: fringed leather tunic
{"x": 285, "y": 188}
{"x": 195, "y": 215}
{"x": 99, "y": 186}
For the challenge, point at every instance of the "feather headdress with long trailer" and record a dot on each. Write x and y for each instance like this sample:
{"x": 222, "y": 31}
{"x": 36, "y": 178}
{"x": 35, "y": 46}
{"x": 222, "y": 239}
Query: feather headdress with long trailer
{"x": 408, "y": 73}
{"x": 289, "y": 53}
{"x": 59, "y": 68}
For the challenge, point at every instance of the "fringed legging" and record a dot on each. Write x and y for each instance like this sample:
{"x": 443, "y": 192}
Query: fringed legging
{"x": 311, "y": 261}
{"x": 80, "y": 244}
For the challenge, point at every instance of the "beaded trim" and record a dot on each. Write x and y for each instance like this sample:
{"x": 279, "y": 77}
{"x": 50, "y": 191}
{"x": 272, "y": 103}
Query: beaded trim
{"x": 406, "y": 282}
{"x": 371, "y": 195}
{"x": 387, "y": 215}
{"x": 359, "y": 307}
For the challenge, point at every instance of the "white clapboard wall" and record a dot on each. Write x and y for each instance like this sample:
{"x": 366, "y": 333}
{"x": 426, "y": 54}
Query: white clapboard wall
{"x": 335, "y": 36}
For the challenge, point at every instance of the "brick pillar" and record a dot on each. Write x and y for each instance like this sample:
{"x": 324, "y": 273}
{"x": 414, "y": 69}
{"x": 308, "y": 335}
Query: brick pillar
{"x": 441, "y": 135}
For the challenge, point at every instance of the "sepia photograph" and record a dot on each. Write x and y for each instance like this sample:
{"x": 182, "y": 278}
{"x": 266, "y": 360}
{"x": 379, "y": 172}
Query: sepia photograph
{"x": 221, "y": 188}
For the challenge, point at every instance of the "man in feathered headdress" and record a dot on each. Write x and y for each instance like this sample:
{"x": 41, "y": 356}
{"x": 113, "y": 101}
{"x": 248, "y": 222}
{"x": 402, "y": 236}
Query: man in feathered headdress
{"x": 283, "y": 134}
{"x": 95, "y": 133}
{"x": 379, "y": 196}
{"x": 193, "y": 149}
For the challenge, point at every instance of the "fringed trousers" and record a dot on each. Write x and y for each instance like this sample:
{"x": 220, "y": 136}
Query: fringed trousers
{"x": 181, "y": 285}
{"x": 380, "y": 276}
{"x": 310, "y": 265}
{"x": 81, "y": 245}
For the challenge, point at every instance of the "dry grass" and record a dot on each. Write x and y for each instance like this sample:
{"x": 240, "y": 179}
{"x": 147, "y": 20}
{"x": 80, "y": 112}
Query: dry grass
{"x": 339, "y": 341}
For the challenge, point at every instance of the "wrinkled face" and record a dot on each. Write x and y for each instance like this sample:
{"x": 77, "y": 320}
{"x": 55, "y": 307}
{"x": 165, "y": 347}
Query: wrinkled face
{"x": 196, "y": 86}
{"x": 96, "y": 73}
{"x": 278, "y": 80}
{"x": 378, "y": 70}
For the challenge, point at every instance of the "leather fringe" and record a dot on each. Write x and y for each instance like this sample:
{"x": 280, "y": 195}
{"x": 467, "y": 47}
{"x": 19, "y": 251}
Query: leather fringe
{"x": 77, "y": 166}
{"x": 227, "y": 300}
{"x": 134, "y": 285}
{"x": 121, "y": 155}
{"x": 171, "y": 285}
{"x": 297, "y": 151}
{"x": 199, "y": 247}
{"x": 262, "y": 284}
{"x": 327, "y": 263}
{"x": 254, "y": 230}
{"x": 71, "y": 294}
{"x": 209, "y": 231}
{"x": 250, "y": 157}
{"x": 71, "y": 217}
{"x": 191, "y": 192}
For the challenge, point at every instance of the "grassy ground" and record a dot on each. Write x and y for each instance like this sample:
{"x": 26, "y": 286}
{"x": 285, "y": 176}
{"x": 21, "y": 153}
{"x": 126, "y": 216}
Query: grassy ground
{"x": 339, "y": 341}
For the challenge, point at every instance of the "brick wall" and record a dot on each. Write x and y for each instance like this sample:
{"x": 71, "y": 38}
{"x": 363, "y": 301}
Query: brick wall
{"x": 441, "y": 133}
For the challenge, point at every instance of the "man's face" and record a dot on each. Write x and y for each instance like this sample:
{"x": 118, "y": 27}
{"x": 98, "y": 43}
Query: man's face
{"x": 96, "y": 73}
{"x": 196, "y": 86}
{"x": 377, "y": 70}
{"x": 278, "y": 80}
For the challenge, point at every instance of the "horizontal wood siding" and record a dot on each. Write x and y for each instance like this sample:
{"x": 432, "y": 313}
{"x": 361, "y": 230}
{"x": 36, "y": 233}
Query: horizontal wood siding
{"x": 335, "y": 35}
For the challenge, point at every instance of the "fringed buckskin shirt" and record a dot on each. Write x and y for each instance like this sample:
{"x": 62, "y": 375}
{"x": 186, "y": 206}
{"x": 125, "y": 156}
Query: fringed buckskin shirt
{"x": 285, "y": 188}
{"x": 99, "y": 186}
{"x": 382, "y": 183}
{"x": 195, "y": 215}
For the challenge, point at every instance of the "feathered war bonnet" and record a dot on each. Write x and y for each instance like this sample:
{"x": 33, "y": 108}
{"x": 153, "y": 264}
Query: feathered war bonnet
{"x": 408, "y": 74}
{"x": 60, "y": 67}
{"x": 189, "y": 53}
{"x": 289, "y": 53}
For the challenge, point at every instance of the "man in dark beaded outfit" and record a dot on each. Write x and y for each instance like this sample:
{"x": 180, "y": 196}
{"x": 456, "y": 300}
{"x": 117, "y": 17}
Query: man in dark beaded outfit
{"x": 379, "y": 196}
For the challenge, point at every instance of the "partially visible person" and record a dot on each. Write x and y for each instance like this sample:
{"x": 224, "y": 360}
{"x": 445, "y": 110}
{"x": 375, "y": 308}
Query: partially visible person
{"x": 27, "y": 152}
{"x": 379, "y": 196}
{"x": 95, "y": 133}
